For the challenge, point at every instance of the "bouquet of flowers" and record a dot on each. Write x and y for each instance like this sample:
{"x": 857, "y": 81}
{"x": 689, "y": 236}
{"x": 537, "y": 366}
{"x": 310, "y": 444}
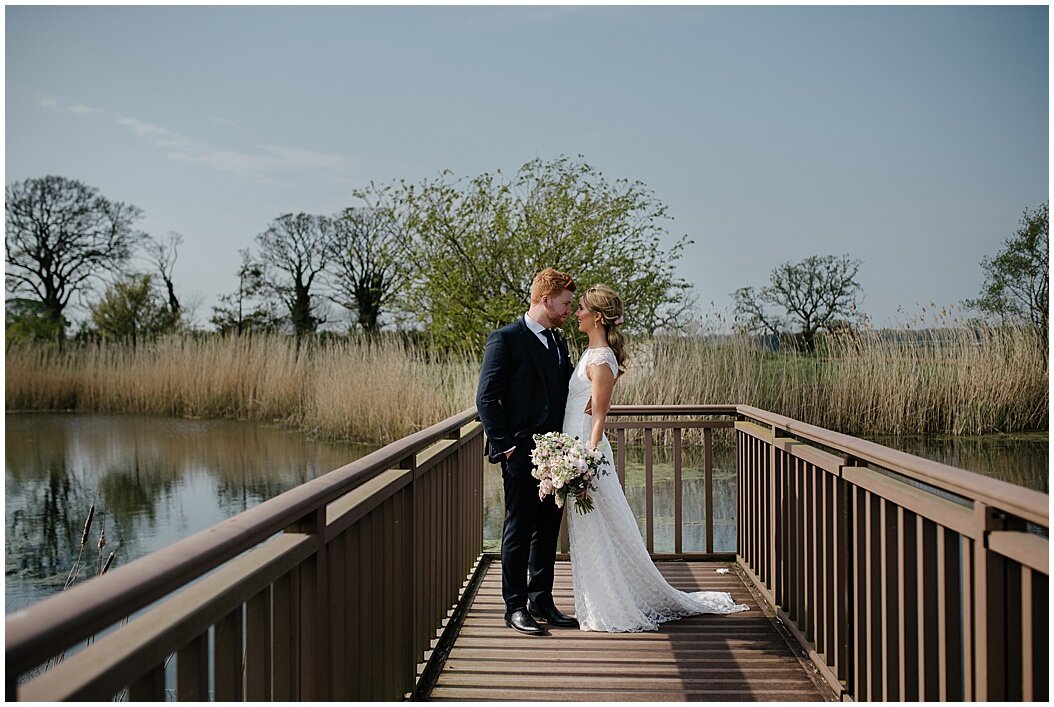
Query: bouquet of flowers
{"x": 566, "y": 468}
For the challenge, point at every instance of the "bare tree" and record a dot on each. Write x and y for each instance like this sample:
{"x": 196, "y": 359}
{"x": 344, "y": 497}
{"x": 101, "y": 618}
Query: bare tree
{"x": 249, "y": 308}
{"x": 812, "y": 295}
{"x": 163, "y": 254}
{"x": 60, "y": 235}
{"x": 298, "y": 247}
{"x": 367, "y": 271}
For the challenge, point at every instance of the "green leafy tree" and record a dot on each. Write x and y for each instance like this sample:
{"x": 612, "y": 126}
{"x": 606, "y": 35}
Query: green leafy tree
{"x": 474, "y": 246}
{"x": 809, "y": 297}
{"x": 1017, "y": 280}
{"x": 248, "y": 309}
{"x": 297, "y": 248}
{"x": 132, "y": 309}
{"x": 28, "y": 319}
{"x": 367, "y": 271}
{"x": 61, "y": 234}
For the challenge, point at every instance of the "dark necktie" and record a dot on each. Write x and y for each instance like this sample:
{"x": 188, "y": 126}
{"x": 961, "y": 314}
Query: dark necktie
{"x": 553, "y": 348}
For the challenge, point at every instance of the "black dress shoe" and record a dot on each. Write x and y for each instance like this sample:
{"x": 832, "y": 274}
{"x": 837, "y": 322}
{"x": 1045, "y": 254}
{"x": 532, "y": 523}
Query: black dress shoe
{"x": 553, "y": 617}
{"x": 521, "y": 621}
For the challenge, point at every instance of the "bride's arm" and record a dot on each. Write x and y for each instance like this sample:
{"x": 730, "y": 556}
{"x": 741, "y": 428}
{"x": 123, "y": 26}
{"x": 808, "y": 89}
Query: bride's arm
{"x": 603, "y": 381}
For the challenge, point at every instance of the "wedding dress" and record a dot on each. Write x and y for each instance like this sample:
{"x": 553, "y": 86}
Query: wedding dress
{"x": 617, "y": 587}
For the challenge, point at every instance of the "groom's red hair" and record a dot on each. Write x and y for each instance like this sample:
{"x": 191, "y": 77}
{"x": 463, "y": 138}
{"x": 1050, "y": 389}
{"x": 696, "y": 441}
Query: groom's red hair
{"x": 550, "y": 282}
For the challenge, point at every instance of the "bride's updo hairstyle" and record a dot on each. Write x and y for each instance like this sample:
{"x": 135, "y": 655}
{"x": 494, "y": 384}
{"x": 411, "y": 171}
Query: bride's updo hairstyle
{"x": 606, "y": 307}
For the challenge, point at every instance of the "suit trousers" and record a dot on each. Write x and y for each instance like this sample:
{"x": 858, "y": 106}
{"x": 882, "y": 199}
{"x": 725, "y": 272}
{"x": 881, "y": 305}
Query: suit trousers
{"x": 528, "y": 537}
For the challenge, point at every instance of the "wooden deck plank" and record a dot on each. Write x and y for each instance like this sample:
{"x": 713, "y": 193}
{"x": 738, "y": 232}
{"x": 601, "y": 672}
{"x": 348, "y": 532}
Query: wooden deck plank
{"x": 566, "y": 694}
{"x": 774, "y": 668}
{"x": 732, "y": 657}
{"x": 666, "y": 683}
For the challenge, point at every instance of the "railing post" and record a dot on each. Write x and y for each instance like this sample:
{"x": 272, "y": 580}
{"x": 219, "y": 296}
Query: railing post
{"x": 773, "y": 520}
{"x": 414, "y": 534}
{"x": 649, "y": 491}
{"x": 845, "y": 633}
{"x": 708, "y": 482}
{"x": 314, "y": 600}
{"x": 988, "y": 610}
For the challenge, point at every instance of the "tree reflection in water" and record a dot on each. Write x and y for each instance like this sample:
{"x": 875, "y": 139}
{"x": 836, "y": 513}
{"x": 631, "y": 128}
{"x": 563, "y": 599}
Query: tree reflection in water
{"x": 1017, "y": 459}
{"x": 154, "y": 481}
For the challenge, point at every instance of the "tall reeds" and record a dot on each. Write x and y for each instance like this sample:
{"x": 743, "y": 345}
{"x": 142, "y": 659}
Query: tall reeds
{"x": 961, "y": 380}
{"x": 370, "y": 390}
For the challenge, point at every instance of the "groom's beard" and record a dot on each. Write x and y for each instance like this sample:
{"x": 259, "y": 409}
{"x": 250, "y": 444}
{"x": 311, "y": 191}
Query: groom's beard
{"x": 556, "y": 321}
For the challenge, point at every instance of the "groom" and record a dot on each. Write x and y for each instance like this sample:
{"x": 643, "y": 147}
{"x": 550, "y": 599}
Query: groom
{"x": 522, "y": 392}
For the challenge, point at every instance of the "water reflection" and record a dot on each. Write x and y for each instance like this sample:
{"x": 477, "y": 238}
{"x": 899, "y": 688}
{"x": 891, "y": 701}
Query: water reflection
{"x": 693, "y": 503}
{"x": 1021, "y": 460}
{"x": 1018, "y": 459}
{"x": 154, "y": 481}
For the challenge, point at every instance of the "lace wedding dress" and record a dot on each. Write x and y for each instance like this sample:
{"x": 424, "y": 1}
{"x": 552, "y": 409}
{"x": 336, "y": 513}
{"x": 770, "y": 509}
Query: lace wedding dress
{"x": 617, "y": 587}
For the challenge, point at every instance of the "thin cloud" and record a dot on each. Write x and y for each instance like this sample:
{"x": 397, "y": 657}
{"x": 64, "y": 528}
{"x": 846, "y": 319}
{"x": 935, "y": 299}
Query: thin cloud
{"x": 52, "y": 103}
{"x": 161, "y": 137}
{"x": 269, "y": 160}
{"x": 81, "y": 109}
{"x": 266, "y": 162}
{"x": 295, "y": 158}
{"x": 273, "y": 160}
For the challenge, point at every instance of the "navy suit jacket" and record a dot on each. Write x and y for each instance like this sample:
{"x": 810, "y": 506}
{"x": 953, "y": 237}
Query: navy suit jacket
{"x": 515, "y": 395}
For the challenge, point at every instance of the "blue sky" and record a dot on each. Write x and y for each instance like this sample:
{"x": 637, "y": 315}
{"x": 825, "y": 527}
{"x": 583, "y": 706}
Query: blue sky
{"x": 909, "y": 137}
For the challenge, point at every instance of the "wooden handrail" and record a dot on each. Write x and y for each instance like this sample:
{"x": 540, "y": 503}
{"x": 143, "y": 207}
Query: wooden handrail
{"x": 201, "y": 605}
{"x": 85, "y": 609}
{"x": 385, "y": 541}
{"x": 894, "y": 586}
{"x": 638, "y": 410}
{"x": 1025, "y": 503}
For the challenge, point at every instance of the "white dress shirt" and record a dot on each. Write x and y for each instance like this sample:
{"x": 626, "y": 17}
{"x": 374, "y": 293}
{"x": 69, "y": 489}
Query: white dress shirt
{"x": 537, "y": 328}
{"x": 539, "y": 331}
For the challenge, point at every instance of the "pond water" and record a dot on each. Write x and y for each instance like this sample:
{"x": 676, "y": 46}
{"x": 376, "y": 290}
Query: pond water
{"x": 1018, "y": 459}
{"x": 157, "y": 480}
{"x": 154, "y": 481}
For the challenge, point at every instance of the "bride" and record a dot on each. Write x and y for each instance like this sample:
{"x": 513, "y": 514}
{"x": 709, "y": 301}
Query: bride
{"x": 616, "y": 586}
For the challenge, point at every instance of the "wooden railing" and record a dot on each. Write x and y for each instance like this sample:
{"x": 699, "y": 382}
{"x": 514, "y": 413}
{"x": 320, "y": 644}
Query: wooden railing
{"x": 331, "y": 591}
{"x": 903, "y": 578}
{"x": 669, "y": 424}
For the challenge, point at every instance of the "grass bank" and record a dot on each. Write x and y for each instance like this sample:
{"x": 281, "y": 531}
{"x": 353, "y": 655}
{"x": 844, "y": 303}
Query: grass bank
{"x": 949, "y": 381}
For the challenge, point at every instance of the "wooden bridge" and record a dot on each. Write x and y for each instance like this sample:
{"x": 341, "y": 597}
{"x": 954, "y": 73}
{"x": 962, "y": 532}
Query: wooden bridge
{"x": 871, "y": 575}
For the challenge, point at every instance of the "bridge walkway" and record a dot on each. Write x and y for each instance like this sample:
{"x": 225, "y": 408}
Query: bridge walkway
{"x": 742, "y": 656}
